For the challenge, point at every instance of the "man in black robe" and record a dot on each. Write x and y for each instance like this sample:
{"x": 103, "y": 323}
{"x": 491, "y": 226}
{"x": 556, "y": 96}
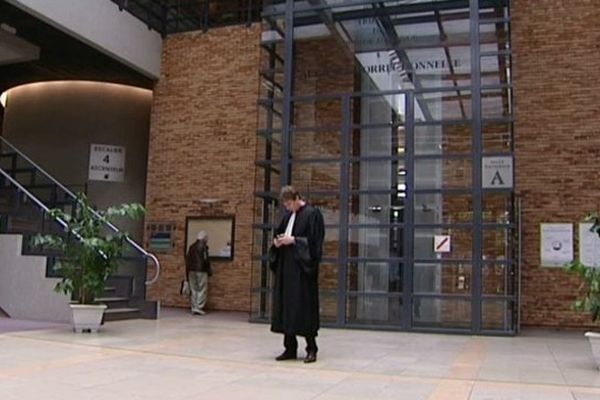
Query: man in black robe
{"x": 294, "y": 258}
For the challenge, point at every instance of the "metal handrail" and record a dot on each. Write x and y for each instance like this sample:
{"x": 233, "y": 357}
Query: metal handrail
{"x": 31, "y": 196}
{"x": 96, "y": 214}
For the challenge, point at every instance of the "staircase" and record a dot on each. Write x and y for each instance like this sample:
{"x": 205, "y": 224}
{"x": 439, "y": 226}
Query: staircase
{"x": 27, "y": 192}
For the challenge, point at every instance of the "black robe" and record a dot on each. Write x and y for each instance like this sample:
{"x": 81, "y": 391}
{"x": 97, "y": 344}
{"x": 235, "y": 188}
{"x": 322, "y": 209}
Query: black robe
{"x": 295, "y": 308}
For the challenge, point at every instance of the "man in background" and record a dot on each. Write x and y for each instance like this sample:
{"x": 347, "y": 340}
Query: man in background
{"x": 197, "y": 270}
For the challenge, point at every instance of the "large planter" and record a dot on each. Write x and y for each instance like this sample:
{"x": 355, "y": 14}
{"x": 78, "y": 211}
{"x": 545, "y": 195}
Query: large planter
{"x": 87, "y": 317}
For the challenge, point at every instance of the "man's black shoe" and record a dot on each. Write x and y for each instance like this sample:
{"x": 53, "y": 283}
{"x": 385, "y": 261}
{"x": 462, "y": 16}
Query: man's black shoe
{"x": 286, "y": 356}
{"x": 310, "y": 358}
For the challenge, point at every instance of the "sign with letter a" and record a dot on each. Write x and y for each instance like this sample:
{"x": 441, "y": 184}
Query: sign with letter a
{"x": 497, "y": 172}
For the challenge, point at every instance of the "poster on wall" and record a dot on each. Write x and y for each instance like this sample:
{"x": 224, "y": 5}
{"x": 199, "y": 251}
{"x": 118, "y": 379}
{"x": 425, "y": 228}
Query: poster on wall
{"x": 160, "y": 236}
{"x": 556, "y": 247}
{"x": 589, "y": 245}
{"x": 220, "y": 231}
{"x": 107, "y": 163}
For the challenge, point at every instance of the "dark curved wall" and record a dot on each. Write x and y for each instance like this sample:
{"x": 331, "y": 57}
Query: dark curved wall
{"x": 54, "y": 123}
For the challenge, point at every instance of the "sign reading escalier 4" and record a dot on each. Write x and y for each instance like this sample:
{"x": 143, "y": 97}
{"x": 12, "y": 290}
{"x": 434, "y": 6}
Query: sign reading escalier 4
{"x": 497, "y": 172}
{"x": 107, "y": 163}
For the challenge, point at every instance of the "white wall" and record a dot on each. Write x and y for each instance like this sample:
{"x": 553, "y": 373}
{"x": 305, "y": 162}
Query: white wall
{"x": 25, "y": 292}
{"x": 100, "y": 24}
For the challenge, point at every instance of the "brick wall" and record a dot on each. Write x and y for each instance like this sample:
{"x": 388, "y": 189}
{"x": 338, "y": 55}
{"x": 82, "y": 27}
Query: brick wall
{"x": 202, "y": 145}
{"x": 557, "y": 92}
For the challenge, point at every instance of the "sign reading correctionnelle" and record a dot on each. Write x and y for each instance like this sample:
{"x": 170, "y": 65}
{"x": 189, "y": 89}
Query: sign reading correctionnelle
{"x": 107, "y": 163}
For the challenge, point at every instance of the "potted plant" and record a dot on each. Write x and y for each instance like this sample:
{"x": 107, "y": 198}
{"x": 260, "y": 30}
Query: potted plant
{"x": 590, "y": 300}
{"x": 88, "y": 255}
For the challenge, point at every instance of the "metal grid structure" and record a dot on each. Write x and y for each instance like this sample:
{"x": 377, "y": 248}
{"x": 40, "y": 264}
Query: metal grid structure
{"x": 475, "y": 94}
{"x": 173, "y": 16}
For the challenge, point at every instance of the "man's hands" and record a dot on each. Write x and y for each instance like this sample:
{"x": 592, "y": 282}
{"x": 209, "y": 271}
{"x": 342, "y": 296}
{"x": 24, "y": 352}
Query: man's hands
{"x": 283, "y": 240}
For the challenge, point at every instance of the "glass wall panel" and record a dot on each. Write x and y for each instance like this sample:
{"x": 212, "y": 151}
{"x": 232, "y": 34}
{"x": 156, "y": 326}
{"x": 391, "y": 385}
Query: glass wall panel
{"x": 269, "y": 114}
{"x": 497, "y": 279}
{"x": 377, "y": 111}
{"x": 497, "y": 207}
{"x": 374, "y": 309}
{"x": 268, "y": 145}
{"x": 461, "y": 243}
{"x": 443, "y": 139}
{"x": 497, "y": 315}
{"x": 262, "y": 238}
{"x": 322, "y": 144}
{"x": 440, "y": 106}
{"x": 497, "y": 244}
{"x": 377, "y": 208}
{"x": 374, "y": 277}
{"x": 378, "y": 141}
{"x": 443, "y": 173}
{"x": 265, "y": 209}
{"x": 442, "y": 278}
{"x": 493, "y": 68}
{"x": 495, "y": 103}
{"x": 316, "y": 176}
{"x": 441, "y": 313}
{"x": 443, "y": 208}
{"x": 376, "y": 242}
{"x": 261, "y": 305}
{"x": 331, "y": 243}
{"x": 328, "y": 277}
{"x": 328, "y": 306}
{"x": 378, "y": 175}
{"x": 328, "y": 204}
{"x": 318, "y": 113}
{"x": 261, "y": 274}
{"x": 497, "y": 137}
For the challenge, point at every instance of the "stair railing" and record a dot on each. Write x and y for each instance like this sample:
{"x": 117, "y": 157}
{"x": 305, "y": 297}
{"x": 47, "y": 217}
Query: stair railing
{"x": 40, "y": 204}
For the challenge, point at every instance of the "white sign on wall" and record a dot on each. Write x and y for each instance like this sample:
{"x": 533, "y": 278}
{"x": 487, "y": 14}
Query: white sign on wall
{"x": 107, "y": 163}
{"x": 589, "y": 246}
{"x": 556, "y": 247}
{"x": 497, "y": 172}
{"x": 441, "y": 243}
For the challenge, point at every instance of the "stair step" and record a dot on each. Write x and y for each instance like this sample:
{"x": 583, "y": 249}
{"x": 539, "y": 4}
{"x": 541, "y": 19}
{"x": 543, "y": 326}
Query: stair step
{"x": 119, "y": 314}
{"x": 121, "y": 310}
{"x": 110, "y": 299}
{"x": 20, "y": 170}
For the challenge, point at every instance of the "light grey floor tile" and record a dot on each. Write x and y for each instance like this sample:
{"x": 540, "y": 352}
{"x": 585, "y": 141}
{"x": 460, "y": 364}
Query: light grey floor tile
{"x": 586, "y": 396}
{"x": 514, "y": 392}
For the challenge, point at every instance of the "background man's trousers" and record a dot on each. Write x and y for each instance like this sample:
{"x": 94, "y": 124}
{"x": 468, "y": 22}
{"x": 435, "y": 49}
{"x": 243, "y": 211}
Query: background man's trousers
{"x": 198, "y": 290}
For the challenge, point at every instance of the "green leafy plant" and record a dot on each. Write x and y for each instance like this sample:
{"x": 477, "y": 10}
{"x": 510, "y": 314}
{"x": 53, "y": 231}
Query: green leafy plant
{"x": 88, "y": 254}
{"x": 590, "y": 301}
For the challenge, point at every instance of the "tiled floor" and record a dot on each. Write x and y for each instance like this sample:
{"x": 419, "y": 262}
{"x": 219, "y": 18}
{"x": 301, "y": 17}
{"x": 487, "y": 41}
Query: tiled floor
{"x": 221, "y": 356}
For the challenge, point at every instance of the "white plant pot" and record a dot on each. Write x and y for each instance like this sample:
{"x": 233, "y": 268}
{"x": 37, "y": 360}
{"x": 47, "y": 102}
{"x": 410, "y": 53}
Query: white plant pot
{"x": 594, "y": 339}
{"x": 87, "y": 317}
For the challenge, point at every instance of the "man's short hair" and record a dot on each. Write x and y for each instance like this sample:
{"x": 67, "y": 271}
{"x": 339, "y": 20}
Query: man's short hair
{"x": 289, "y": 193}
{"x": 202, "y": 235}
